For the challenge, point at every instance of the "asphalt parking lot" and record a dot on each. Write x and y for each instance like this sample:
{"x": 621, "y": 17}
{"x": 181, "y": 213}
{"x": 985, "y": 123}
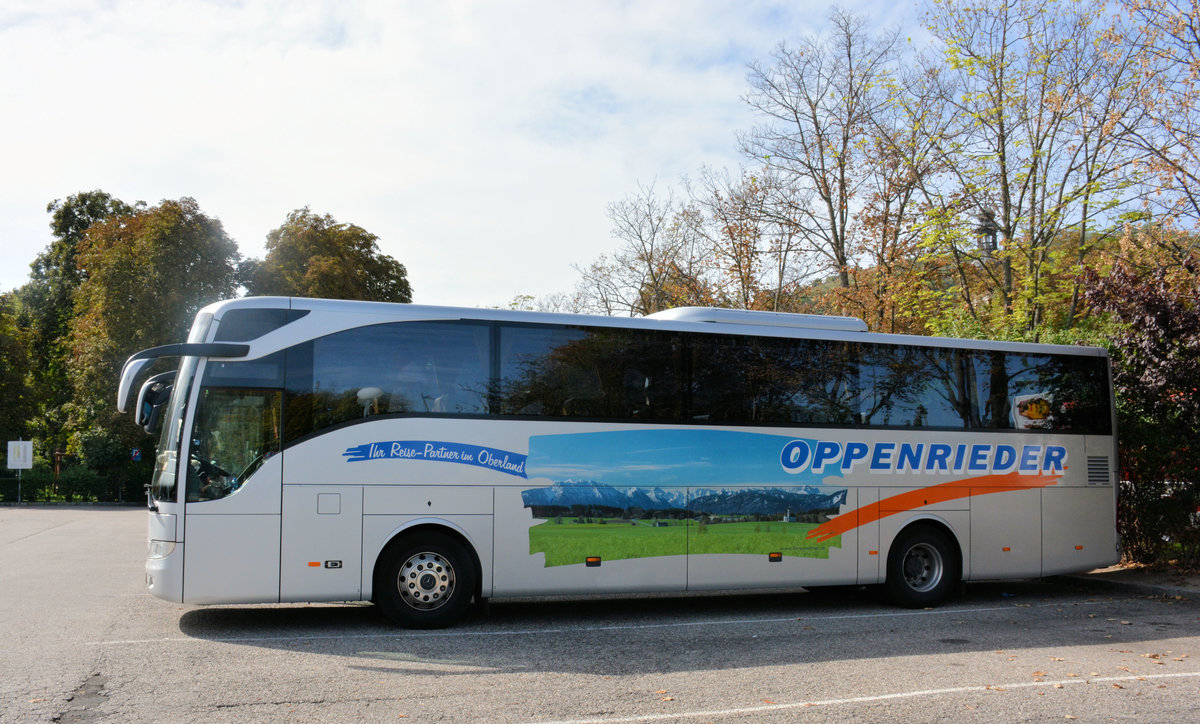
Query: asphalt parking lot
{"x": 80, "y": 641}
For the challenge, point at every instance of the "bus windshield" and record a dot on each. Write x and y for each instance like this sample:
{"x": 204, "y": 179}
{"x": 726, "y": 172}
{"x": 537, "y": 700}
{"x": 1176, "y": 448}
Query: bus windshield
{"x": 236, "y": 426}
{"x": 162, "y": 485}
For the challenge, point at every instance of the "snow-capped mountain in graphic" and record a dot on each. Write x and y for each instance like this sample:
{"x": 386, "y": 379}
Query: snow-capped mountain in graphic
{"x": 718, "y": 501}
{"x": 767, "y": 501}
{"x": 567, "y": 493}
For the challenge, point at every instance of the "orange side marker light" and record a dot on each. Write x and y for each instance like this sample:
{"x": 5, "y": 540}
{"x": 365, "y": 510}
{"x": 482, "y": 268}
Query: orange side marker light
{"x": 314, "y": 564}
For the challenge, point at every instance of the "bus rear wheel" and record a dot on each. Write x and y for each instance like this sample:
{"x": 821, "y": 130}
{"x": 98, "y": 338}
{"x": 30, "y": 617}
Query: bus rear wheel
{"x": 425, "y": 582}
{"x": 923, "y": 567}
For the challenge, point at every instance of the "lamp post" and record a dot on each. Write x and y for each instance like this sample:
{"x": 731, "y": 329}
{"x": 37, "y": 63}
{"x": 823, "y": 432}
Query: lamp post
{"x": 986, "y": 228}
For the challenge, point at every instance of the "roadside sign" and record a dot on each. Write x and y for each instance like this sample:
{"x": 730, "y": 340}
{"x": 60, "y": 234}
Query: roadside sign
{"x": 20, "y": 454}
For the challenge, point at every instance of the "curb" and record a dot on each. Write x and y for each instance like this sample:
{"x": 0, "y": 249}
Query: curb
{"x": 1144, "y": 589}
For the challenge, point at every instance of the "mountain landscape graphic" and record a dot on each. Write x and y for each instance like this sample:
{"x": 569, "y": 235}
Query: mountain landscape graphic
{"x": 568, "y": 494}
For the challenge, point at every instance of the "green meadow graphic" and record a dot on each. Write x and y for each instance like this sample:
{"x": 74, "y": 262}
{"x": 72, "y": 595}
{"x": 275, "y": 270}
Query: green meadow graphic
{"x": 607, "y": 509}
{"x": 570, "y": 543}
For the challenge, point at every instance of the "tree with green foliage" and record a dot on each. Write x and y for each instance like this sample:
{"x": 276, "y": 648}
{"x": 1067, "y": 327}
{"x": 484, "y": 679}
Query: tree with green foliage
{"x": 1044, "y": 105}
{"x": 46, "y": 305}
{"x": 315, "y": 256}
{"x": 15, "y": 400}
{"x": 148, "y": 273}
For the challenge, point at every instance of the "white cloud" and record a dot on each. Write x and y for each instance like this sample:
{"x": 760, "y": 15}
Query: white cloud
{"x": 481, "y": 141}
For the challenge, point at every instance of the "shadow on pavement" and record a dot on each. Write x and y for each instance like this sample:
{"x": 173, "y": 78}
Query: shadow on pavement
{"x": 657, "y": 634}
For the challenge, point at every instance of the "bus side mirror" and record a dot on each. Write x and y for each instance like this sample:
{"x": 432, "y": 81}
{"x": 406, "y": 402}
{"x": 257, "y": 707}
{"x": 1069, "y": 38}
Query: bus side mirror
{"x": 153, "y": 395}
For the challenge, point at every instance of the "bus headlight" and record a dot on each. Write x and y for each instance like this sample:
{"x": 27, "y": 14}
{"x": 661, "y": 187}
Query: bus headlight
{"x": 160, "y": 548}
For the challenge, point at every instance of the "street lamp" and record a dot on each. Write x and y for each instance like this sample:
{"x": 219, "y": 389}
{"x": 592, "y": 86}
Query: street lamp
{"x": 987, "y": 228}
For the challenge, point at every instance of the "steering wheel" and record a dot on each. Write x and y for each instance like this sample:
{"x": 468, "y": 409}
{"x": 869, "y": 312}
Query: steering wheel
{"x": 213, "y": 476}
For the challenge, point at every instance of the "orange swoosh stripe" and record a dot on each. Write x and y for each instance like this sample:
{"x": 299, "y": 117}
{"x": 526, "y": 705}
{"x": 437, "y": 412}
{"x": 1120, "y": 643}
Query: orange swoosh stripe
{"x": 904, "y": 502}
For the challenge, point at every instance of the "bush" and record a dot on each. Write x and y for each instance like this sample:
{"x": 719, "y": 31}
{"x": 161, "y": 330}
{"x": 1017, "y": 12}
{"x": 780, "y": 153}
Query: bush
{"x": 80, "y": 484}
{"x": 1158, "y": 523}
{"x": 1156, "y": 375}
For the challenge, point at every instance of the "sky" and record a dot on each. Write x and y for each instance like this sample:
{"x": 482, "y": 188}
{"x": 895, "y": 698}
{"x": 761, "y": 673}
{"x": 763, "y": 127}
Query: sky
{"x": 480, "y": 141}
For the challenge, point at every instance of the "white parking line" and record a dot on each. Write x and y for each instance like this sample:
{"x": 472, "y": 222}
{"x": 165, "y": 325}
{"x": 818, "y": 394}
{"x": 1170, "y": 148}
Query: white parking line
{"x": 457, "y": 633}
{"x": 718, "y": 713}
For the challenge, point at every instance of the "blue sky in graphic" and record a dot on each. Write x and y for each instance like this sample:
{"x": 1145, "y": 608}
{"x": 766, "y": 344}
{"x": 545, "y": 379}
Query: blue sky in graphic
{"x": 664, "y": 458}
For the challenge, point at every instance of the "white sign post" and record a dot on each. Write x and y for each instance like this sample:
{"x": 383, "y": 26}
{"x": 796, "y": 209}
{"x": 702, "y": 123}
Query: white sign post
{"x": 20, "y": 457}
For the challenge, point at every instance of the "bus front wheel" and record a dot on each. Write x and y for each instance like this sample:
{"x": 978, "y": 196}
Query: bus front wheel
{"x": 923, "y": 567}
{"x": 425, "y": 581}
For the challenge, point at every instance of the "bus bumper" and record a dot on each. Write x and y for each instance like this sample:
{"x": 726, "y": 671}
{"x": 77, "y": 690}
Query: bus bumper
{"x": 164, "y": 570}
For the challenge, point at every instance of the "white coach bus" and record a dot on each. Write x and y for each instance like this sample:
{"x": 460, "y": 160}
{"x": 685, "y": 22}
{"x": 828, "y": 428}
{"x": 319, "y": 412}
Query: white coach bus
{"x": 422, "y": 457}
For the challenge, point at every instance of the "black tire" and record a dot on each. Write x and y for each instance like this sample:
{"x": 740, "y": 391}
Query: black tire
{"x": 425, "y": 581}
{"x": 923, "y": 568}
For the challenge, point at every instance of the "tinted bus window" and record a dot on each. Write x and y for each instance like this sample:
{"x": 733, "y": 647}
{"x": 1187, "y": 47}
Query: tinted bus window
{"x": 388, "y": 369}
{"x": 243, "y": 325}
{"x": 762, "y": 380}
{"x": 589, "y": 373}
{"x": 908, "y": 386}
{"x": 596, "y": 373}
{"x": 1044, "y": 392}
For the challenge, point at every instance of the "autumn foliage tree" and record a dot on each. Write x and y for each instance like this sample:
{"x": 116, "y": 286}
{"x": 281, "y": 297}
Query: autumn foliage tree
{"x": 1165, "y": 34}
{"x": 118, "y": 278}
{"x": 659, "y": 262}
{"x": 148, "y": 272}
{"x": 315, "y": 256}
{"x": 818, "y": 102}
{"x": 976, "y": 187}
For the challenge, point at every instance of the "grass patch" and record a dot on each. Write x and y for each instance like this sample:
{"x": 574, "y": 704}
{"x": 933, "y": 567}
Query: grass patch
{"x": 758, "y": 539}
{"x": 569, "y": 543}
